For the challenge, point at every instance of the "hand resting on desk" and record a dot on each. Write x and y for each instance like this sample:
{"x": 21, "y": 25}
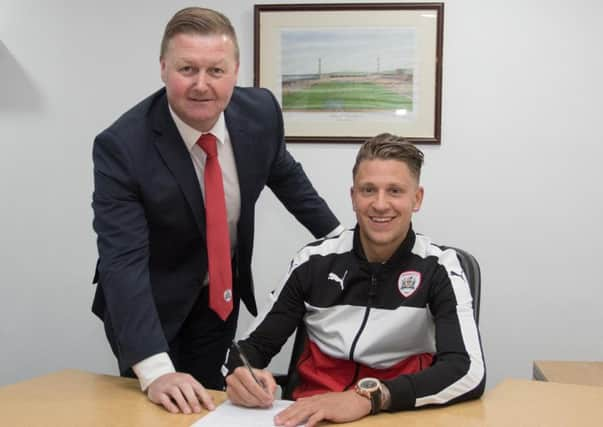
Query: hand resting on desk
{"x": 340, "y": 407}
{"x": 179, "y": 392}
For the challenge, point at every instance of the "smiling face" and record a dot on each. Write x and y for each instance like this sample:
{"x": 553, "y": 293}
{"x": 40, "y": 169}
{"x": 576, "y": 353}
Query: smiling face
{"x": 199, "y": 72}
{"x": 384, "y": 196}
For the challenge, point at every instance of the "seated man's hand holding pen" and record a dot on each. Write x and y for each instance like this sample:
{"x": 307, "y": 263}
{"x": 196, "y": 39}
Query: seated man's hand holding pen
{"x": 243, "y": 389}
{"x": 250, "y": 387}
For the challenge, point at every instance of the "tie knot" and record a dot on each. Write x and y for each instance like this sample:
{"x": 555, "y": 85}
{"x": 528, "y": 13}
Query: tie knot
{"x": 208, "y": 143}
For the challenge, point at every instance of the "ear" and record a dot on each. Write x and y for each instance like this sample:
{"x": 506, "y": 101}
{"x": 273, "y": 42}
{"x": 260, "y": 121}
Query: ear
{"x": 418, "y": 199}
{"x": 352, "y": 197}
{"x": 236, "y": 71}
{"x": 163, "y": 70}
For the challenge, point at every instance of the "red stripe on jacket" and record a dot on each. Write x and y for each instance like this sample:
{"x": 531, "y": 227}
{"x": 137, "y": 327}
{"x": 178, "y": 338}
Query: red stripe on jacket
{"x": 320, "y": 373}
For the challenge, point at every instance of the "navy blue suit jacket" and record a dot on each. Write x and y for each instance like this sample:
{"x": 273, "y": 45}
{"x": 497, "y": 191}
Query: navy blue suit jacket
{"x": 150, "y": 220}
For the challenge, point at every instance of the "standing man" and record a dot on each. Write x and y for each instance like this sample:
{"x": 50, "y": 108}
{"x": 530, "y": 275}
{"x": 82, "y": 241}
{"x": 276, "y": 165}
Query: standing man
{"x": 176, "y": 181}
{"x": 388, "y": 313}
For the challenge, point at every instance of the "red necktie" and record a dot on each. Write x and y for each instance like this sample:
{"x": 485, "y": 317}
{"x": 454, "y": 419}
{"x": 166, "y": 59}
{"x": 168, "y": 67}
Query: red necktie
{"x": 218, "y": 238}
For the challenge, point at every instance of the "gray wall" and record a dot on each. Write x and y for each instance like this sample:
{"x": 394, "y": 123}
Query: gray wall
{"x": 515, "y": 181}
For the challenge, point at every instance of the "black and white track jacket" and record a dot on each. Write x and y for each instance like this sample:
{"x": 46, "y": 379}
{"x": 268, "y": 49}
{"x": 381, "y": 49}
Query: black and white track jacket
{"x": 408, "y": 322}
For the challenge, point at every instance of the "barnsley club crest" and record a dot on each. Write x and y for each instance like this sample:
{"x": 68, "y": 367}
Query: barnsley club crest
{"x": 409, "y": 282}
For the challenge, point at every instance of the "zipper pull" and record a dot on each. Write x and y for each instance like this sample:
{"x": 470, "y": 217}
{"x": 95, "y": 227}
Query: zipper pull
{"x": 373, "y": 286}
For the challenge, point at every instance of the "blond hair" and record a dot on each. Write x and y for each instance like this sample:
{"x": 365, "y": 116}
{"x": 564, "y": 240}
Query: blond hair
{"x": 198, "y": 20}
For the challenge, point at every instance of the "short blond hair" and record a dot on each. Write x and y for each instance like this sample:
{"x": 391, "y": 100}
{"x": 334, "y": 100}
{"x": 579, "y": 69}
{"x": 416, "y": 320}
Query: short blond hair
{"x": 198, "y": 20}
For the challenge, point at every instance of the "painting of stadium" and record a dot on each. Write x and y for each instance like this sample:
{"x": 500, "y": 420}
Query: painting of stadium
{"x": 347, "y": 70}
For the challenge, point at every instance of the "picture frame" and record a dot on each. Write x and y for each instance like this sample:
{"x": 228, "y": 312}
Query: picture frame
{"x": 345, "y": 72}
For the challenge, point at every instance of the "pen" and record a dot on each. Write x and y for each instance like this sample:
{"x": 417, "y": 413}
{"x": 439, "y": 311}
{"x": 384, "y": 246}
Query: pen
{"x": 246, "y": 363}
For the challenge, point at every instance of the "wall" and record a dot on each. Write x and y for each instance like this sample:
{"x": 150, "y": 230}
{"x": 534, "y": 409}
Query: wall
{"x": 515, "y": 181}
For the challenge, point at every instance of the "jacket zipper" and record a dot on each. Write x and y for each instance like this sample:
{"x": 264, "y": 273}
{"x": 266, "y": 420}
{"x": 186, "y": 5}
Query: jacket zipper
{"x": 371, "y": 295}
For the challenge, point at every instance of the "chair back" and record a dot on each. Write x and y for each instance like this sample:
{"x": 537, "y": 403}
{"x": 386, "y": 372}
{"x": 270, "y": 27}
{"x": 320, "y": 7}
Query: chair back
{"x": 473, "y": 273}
{"x": 289, "y": 381}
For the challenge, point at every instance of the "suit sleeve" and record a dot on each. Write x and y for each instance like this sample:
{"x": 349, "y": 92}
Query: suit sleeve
{"x": 458, "y": 371}
{"x": 123, "y": 246}
{"x": 293, "y": 188}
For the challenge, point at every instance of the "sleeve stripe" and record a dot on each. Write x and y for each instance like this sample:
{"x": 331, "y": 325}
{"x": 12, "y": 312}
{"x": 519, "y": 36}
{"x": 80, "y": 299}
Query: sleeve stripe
{"x": 469, "y": 332}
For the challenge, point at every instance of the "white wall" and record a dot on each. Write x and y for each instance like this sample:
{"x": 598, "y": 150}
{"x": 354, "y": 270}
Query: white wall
{"x": 515, "y": 181}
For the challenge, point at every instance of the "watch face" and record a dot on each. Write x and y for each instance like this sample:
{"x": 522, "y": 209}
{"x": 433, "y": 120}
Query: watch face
{"x": 369, "y": 384}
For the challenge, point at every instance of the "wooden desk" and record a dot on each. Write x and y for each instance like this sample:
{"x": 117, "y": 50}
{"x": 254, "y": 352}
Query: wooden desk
{"x": 585, "y": 373}
{"x": 76, "y": 398}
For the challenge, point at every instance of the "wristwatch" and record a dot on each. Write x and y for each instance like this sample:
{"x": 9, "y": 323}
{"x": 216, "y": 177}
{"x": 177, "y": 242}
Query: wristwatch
{"x": 371, "y": 389}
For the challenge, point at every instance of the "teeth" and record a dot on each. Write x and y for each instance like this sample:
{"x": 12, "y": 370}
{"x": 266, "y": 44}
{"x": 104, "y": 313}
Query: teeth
{"x": 381, "y": 219}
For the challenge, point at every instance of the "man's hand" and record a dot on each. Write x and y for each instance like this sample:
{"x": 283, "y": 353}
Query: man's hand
{"x": 242, "y": 389}
{"x": 336, "y": 407}
{"x": 179, "y": 392}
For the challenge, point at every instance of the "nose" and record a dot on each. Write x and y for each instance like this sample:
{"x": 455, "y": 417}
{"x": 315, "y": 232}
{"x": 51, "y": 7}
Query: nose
{"x": 201, "y": 81}
{"x": 380, "y": 203}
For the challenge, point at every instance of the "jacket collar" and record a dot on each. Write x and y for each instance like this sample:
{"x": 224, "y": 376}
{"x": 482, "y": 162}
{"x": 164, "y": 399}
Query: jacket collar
{"x": 401, "y": 253}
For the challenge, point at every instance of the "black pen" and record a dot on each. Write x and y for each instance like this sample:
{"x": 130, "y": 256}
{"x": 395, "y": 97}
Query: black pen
{"x": 247, "y": 365}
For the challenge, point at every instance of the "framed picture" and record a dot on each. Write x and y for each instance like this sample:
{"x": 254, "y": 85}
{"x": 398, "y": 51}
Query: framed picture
{"x": 347, "y": 72}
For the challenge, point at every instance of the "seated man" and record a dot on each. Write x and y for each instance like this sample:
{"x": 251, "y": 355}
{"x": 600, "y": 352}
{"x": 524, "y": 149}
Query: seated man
{"x": 388, "y": 313}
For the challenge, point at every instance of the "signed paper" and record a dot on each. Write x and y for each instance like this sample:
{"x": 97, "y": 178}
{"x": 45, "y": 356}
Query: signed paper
{"x": 229, "y": 415}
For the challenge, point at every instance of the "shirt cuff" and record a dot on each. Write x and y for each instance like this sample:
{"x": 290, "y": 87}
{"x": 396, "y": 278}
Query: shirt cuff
{"x": 336, "y": 231}
{"x": 151, "y": 368}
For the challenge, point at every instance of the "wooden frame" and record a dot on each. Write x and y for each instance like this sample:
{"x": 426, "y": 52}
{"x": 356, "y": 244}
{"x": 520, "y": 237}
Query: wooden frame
{"x": 346, "y": 72}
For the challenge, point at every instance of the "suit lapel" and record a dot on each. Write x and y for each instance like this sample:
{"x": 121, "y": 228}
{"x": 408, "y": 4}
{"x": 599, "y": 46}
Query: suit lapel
{"x": 242, "y": 147}
{"x": 172, "y": 149}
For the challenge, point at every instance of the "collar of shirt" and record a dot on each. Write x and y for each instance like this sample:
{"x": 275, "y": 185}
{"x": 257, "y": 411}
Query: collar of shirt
{"x": 227, "y": 163}
{"x": 190, "y": 135}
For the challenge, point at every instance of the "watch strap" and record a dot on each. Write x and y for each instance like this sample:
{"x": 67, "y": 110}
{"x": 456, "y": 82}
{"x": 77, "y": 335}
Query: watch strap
{"x": 376, "y": 401}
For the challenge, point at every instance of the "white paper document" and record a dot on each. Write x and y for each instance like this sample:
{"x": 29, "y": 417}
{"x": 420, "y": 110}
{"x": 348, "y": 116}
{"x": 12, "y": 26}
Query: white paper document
{"x": 229, "y": 415}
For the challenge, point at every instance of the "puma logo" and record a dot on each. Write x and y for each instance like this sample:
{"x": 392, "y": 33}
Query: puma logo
{"x": 334, "y": 277}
